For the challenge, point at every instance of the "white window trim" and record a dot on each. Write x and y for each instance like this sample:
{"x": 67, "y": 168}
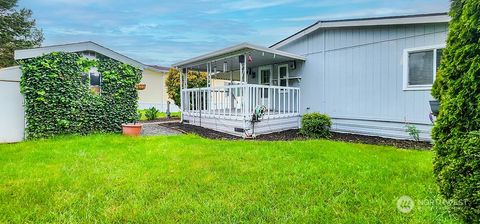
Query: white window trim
{"x": 262, "y": 68}
{"x": 287, "y": 76}
{"x": 406, "y": 70}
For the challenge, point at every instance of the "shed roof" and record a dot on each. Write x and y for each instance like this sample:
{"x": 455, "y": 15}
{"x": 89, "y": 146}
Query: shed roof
{"x": 77, "y": 47}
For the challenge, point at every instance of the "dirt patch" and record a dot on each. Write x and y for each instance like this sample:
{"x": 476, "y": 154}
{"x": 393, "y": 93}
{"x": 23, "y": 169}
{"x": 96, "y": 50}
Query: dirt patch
{"x": 204, "y": 132}
{"x": 293, "y": 134}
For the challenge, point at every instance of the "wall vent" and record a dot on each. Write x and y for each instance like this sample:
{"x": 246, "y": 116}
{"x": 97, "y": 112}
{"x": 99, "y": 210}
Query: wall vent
{"x": 239, "y": 130}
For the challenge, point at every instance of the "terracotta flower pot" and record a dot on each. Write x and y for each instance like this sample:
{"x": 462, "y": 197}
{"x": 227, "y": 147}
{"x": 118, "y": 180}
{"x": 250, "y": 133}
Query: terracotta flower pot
{"x": 141, "y": 86}
{"x": 132, "y": 129}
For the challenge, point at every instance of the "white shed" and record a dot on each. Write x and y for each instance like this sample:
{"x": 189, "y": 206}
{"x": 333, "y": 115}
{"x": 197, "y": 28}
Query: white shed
{"x": 12, "y": 115}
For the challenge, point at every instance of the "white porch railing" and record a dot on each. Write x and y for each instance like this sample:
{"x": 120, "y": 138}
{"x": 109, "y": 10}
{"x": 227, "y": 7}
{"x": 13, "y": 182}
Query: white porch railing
{"x": 240, "y": 101}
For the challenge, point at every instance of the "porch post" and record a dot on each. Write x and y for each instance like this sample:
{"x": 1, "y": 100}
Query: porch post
{"x": 208, "y": 75}
{"x": 181, "y": 93}
{"x": 241, "y": 71}
{"x": 186, "y": 78}
{"x": 245, "y": 68}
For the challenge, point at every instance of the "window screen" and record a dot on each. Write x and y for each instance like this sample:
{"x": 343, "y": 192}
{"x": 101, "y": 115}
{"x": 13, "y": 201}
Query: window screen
{"x": 420, "y": 68}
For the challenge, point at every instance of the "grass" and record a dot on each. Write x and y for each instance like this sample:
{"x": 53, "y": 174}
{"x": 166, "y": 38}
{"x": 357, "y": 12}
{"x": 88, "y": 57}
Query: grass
{"x": 159, "y": 114}
{"x": 112, "y": 178}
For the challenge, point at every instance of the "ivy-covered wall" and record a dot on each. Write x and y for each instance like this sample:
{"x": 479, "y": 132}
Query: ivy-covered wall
{"x": 58, "y": 102}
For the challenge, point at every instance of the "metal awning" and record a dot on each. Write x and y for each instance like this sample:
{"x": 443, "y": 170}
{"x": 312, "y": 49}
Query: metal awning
{"x": 258, "y": 55}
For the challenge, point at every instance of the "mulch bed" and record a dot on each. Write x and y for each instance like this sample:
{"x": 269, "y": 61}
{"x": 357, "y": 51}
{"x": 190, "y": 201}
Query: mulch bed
{"x": 293, "y": 134}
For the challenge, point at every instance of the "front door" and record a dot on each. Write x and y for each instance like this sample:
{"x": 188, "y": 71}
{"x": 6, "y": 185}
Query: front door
{"x": 265, "y": 78}
{"x": 265, "y": 75}
{"x": 283, "y": 75}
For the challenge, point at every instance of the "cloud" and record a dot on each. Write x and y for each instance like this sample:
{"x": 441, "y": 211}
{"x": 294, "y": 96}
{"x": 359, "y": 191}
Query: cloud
{"x": 164, "y": 32}
{"x": 246, "y": 5}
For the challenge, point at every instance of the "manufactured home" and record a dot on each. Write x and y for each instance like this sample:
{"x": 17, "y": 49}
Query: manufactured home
{"x": 373, "y": 76}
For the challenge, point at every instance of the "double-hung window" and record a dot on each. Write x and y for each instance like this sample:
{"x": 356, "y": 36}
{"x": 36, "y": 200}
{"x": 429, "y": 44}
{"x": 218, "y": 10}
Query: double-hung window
{"x": 420, "y": 67}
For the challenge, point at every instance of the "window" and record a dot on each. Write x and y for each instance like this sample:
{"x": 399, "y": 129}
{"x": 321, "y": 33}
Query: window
{"x": 420, "y": 67}
{"x": 92, "y": 79}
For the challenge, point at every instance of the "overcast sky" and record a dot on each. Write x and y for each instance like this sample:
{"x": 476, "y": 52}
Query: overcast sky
{"x": 164, "y": 32}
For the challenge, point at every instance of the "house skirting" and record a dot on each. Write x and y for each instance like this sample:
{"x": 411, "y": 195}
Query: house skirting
{"x": 387, "y": 129}
{"x": 240, "y": 127}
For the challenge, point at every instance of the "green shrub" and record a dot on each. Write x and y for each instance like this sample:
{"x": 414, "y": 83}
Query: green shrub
{"x": 195, "y": 79}
{"x": 459, "y": 177}
{"x": 457, "y": 87}
{"x": 413, "y": 131}
{"x": 316, "y": 125}
{"x": 151, "y": 113}
{"x": 58, "y": 102}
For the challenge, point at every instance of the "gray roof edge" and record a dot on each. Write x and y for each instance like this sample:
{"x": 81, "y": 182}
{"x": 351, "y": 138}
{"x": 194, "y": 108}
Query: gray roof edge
{"x": 76, "y": 47}
{"x": 375, "y": 21}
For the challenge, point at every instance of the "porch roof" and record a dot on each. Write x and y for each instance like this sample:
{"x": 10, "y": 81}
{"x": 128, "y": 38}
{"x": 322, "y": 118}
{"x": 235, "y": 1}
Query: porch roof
{"x": 239, "y": 49}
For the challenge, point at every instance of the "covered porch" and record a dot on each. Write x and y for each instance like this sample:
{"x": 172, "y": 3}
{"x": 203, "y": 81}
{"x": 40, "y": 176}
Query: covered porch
{"x": 250, "y": 90}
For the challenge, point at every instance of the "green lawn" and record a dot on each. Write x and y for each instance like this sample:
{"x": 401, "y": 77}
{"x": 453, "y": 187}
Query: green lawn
{"x": 111, "y": 178}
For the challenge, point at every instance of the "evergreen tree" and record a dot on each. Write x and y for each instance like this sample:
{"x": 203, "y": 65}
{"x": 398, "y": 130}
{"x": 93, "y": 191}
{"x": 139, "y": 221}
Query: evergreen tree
{"x": 456, "y": 131}
{"x": 17, "y": 31}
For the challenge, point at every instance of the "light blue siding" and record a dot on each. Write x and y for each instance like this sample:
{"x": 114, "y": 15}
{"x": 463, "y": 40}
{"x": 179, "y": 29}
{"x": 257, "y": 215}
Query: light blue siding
{"x": 355, "y": 75}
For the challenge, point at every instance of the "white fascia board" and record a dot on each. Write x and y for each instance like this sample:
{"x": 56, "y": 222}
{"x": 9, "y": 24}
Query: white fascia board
{"x": 233, "y": 51}
{"x": 77, "y": 47}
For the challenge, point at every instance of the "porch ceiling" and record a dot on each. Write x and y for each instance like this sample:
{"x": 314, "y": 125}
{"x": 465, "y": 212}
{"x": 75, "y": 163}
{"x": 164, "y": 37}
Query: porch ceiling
{"x": 260, "y": 56}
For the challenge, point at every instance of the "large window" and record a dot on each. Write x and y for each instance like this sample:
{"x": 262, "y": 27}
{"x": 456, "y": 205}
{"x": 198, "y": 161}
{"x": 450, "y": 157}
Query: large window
{"x": 420, "y": 67}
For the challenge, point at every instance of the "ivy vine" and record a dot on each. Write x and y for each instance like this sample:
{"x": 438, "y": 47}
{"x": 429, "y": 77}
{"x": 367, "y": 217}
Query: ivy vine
{"x": 58, "y": 102}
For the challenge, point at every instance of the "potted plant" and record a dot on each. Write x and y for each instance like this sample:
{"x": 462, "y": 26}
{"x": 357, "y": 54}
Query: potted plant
{"x": 133, "y": 129}
{"x": 141, "y": 86}
{"x": 434, "y": 106}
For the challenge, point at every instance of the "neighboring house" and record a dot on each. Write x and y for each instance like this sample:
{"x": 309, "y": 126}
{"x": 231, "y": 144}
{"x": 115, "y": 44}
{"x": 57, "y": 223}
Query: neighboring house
{"x": 371, "y": 75}
{"x": 11, "y": 100}
{"x": 155, "y": 94}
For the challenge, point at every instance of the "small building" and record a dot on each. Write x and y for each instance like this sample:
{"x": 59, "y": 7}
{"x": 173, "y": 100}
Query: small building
{"x": 155, "y": 94}
{"x": 373, "y": 76}
{"x": 11, "y": 100}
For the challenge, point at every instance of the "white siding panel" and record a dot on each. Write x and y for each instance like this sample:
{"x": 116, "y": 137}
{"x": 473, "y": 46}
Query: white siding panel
{"x": 12, "y": 114}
